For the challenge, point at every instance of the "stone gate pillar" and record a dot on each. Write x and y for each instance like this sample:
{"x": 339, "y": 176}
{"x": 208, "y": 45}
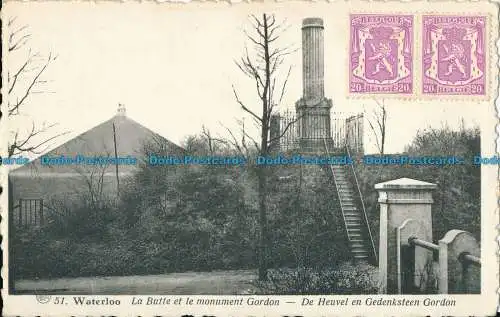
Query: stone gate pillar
{"x": 399, "y": 200}
{"x": 274, "y": 133}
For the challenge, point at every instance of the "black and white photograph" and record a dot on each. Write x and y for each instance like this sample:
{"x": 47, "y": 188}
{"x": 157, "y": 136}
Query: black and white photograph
{"x": 220, "y": 152}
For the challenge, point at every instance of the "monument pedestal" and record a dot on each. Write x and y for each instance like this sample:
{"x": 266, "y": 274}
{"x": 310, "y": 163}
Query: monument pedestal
{"x": 314, "y": 124}
{"x": 400, "y": 200}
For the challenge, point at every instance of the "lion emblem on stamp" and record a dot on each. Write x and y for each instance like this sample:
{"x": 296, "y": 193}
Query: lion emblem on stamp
{"x": 381, "y": 54}
{"x": 453, "y": 55}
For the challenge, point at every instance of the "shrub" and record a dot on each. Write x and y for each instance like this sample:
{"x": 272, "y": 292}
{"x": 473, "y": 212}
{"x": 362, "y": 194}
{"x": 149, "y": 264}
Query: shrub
{"x": 345, "y": 278}
{"x": 457, "y": 197}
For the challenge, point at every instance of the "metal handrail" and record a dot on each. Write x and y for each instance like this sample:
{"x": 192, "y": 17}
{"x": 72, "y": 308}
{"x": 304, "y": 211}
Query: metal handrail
{"x": 362, "y": 204}
{"x": 464, "y": 257}
{"x": 470, "y": 258}
{"x": 424, "y": 244}
{"x": 338, "y": 194}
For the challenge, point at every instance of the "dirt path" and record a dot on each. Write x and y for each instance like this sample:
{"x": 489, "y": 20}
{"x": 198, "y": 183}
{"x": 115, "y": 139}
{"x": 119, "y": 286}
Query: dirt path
{"x": 216, "y": 283}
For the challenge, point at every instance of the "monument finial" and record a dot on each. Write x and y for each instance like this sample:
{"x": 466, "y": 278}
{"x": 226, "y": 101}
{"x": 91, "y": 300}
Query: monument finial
{"x": 121, "y": 110}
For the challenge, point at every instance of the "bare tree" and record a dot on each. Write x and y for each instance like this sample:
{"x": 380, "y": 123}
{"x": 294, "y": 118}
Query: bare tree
{"x": 262, "y": 66}
{"x": 94, "y": 177}
{"x": 377, "y": 124}
{"x": 23, "y": 81}
{"x": 213, "y": 142}
{"x": 244, "y": 144}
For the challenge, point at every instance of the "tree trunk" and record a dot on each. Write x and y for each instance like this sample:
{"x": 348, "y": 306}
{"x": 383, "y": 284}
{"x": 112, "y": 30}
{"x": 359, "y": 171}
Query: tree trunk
{"x": 262, "y": 69}
{"x": 262, "y": 173}
{"x": 263, "y": 224}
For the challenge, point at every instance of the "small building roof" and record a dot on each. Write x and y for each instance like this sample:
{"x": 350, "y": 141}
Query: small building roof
{"x": 405, "y": 183}
{"x": 99, "y": 141}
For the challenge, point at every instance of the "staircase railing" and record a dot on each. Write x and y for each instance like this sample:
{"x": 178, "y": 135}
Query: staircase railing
{"x": 360, "y": 196}
{"x": 338, "y": 192}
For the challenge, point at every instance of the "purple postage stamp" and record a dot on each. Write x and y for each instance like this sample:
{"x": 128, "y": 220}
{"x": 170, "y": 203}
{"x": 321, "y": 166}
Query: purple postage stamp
{"x": 453, "y": 55}
{"x": 381, "y": 50}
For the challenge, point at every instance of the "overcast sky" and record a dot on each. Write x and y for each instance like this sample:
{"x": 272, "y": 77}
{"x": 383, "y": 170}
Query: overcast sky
{"x": 173, "y": 67}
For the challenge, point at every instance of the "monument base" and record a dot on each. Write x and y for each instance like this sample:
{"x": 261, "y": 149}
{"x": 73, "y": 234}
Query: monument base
{"x": 317, "y": 146}
{"x": 314, "y": 124}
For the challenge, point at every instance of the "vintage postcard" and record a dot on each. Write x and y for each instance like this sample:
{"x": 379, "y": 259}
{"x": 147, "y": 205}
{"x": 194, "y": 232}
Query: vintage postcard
{"x": 249, "y": 159}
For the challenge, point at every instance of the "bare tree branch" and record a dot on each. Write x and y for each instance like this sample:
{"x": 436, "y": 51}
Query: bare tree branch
{"x": 378, "y": 127}
{"x": 253, "y": 40}
{"x": 245, "y": 133}
{"x": 210, "y": 139}
{"x": 11, "y": 21}
{"x": 14, "y": 108}
{"x": 18, "y": 146}
{"x": 30, "y": 74}
{"x": 283, "y": 88}
{"x": 288, "y": 126}
{"x": 16, "y": 75}
{"x": 234, "y": 141}
{"x": 376, "y": 136}
{"x": 14, "y": 43}
{"x": 244, "y": 107}
{"x": 93, "y": 177}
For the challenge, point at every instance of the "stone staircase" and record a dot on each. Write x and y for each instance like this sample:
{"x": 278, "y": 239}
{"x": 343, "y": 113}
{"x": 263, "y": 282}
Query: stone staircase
{"x": 360, "y": 241}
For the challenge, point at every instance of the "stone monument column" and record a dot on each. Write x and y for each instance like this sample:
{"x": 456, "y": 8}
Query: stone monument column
{"x": 313, "y": 109}
{"x": 313, "y": 59}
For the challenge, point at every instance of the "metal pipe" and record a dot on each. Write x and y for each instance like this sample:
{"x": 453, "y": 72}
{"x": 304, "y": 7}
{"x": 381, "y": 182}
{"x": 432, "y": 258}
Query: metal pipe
{"x": 467, "y": 257}
{"x": 424, "y": 244}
